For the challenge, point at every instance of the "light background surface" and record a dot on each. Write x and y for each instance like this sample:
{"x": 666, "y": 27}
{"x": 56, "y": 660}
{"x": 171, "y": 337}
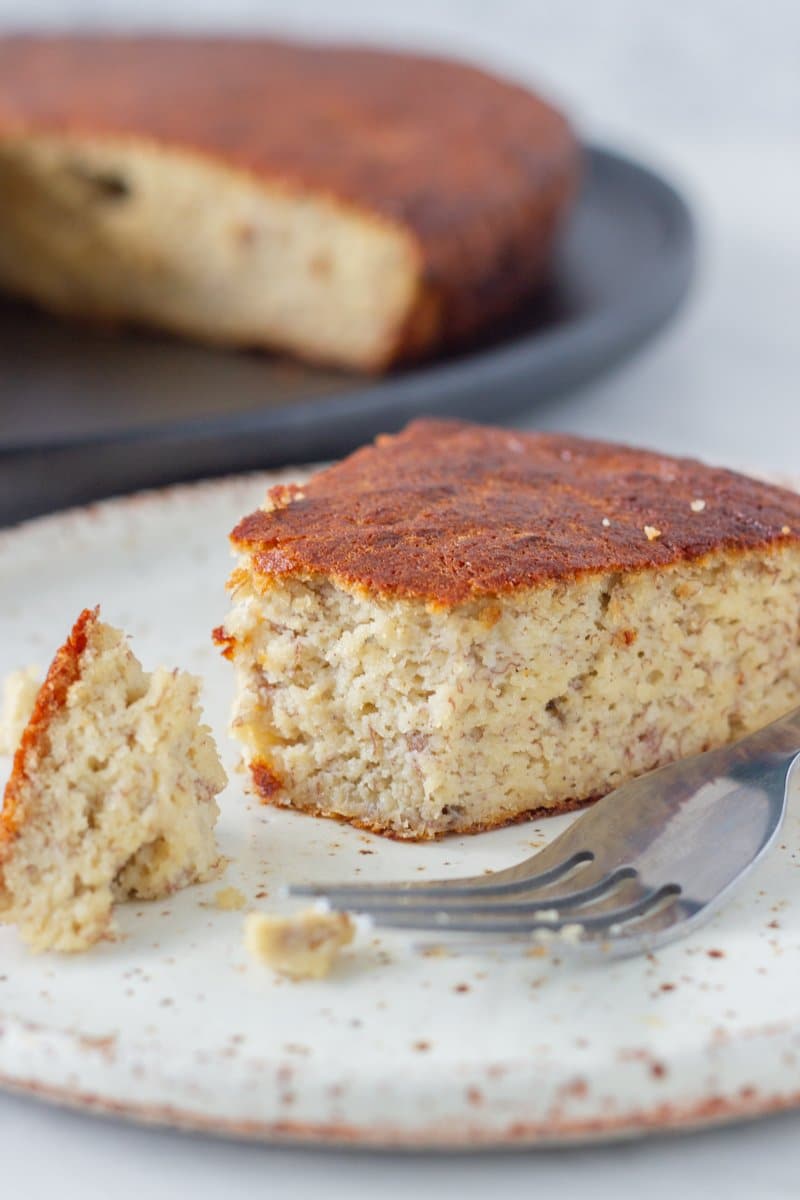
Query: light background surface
{"x": 710, "y": 93}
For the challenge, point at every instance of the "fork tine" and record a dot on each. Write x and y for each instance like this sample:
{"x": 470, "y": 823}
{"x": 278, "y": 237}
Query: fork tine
{"x": 658, "y": 926}
{"x": 500, "y": 883}
{"x": 401, "y": 902}
{"x": 474, "y": 920}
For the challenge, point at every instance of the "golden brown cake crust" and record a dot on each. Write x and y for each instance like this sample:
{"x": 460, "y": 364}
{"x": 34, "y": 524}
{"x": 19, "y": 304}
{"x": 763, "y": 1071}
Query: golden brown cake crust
{"x": 480, "y": 171}
{"x": 448, "y": 512}
{"x": 64, "y": 670}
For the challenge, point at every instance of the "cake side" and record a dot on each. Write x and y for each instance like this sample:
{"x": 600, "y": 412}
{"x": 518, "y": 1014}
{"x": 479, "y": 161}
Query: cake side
{"x": 111, "y": 795}
{"x": 448, "y": 512}
{"x": 123, "y": 230}
{"x": 415, "y": 720}
{"x": 463, "y": 179}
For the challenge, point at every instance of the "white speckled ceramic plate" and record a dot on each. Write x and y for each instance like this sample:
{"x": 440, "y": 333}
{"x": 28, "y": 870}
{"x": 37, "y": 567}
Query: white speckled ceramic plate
{"x": 172, "y": 1024}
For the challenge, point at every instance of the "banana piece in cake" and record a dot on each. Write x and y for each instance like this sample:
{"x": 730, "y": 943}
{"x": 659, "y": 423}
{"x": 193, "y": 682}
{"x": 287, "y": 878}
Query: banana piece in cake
{"x": 303, "y": 946}
{"x": 111, "y": 796}
{"x": 343, "y": 204}
{"x": 20, "y": 690}
{"x": 460, "y": 626}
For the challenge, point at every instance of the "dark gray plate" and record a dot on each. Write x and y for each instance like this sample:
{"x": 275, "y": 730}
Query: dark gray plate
{"x": 85, "y": 414}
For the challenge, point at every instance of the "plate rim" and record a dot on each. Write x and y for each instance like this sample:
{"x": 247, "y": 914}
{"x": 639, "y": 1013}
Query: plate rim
{"x": 649, "y": 1122}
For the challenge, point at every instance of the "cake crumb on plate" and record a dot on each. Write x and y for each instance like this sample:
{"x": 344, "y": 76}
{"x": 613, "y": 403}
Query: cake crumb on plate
{"x": 303, "y": 946}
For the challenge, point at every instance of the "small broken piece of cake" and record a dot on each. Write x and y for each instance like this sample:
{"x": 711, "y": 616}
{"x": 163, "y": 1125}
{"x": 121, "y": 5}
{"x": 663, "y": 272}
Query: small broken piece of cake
{"x": 462, "y": 625}
{"x": 111, "y": 795}
{"x": 303, "y": 946}
{"x": 20, "y": 690}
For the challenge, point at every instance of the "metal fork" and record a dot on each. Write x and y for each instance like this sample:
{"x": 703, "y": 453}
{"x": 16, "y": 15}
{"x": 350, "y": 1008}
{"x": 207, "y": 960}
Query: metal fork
{"x": 642, "y": 867}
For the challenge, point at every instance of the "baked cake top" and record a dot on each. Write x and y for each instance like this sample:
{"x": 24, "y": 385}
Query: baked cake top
{"x": 449, "y": 511}
{"x": 422, "y": 140}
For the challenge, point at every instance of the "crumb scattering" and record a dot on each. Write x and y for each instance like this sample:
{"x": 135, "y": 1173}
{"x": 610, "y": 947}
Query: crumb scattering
{"x": 303, "y": 946}
{"x": 605, "y": 522}
{"x": 697, "y": 505}
{"x": 786, "y": 529}
{"x": 652, "y": 533}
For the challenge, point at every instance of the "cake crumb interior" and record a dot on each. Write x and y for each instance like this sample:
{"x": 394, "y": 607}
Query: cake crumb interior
{"x": 417, "y": 721}
{"x": 114, "y": 799}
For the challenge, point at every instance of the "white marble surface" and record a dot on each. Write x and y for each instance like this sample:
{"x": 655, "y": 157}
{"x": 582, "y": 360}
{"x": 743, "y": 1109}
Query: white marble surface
{"x": 711, "y": 93}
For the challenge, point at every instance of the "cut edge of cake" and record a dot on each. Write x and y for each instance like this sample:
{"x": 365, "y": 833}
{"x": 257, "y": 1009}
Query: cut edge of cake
{"x": 352, "y": 231}
{"x": 97, "y": 229}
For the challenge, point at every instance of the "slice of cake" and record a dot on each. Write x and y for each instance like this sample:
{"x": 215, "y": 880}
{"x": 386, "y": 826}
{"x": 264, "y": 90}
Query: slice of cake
{"x": 461, "y": 626}
{"x": 303, "y": 946}
{"x": 346, "y": 205}
{"x": 112, "y": 792}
